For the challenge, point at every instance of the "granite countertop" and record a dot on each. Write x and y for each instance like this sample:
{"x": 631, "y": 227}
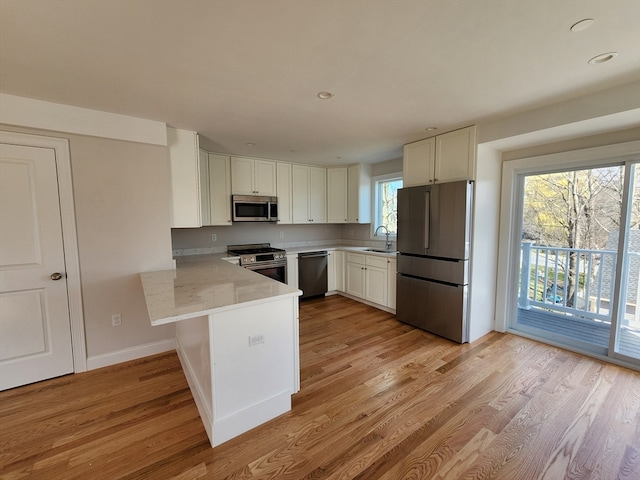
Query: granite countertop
{"x": 203, "y": 284}
{"x": 346, "y": 248}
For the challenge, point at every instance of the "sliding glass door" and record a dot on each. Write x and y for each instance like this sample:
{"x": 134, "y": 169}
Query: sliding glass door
{"x": 626, "y": 339}
{"x": 579, "y": 261}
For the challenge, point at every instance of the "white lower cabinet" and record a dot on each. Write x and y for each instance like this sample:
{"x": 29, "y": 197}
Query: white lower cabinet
{"x": 367, "y": 277}
{"x": 391, "y": 275}
{"x": 376, "y": 284}
{"x": 354, "y": 276}
{"x": 331, "y": 271}
{"x": 292, "y": 270}
{"x": 339, "y": 263}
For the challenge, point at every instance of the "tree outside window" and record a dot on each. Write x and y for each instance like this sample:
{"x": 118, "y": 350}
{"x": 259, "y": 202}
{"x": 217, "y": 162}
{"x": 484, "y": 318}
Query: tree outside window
{"x": 386, "y": 203}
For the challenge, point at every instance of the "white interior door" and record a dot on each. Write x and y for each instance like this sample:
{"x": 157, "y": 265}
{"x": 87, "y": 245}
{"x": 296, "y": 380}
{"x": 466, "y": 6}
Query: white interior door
{"x": 35, "y": 330}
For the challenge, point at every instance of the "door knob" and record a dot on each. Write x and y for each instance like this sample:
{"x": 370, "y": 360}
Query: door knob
{"x": 56, "y": 276}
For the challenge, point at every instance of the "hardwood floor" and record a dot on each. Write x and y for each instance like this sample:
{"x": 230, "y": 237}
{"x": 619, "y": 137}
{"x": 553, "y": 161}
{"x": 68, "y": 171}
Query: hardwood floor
{"x": 379, "y": 400}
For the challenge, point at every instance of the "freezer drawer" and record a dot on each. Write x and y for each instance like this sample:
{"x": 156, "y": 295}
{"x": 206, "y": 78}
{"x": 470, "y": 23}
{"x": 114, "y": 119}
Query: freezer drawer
{"x": 449, "y": 271}
{"x": 434, "y": 307}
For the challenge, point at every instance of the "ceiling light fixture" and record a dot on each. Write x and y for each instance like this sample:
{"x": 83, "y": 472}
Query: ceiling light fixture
{"x": 249, "y": 144}
{"x": 325, "y": 95}
{"x": 603, "y": 57}
{"x": 582, "y": 25}
{"x": 431, "y": 129}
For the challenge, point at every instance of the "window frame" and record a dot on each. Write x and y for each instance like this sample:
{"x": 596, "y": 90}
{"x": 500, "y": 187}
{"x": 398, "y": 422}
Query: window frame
{"x": 375, "y": 202}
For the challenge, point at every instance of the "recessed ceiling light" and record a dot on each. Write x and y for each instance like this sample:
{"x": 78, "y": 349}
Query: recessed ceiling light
{"x": 431, "y": 129}
{"x": 325, "y": 95}
{"x": 249, "y": 144}
{"x": 603, "y": 57}
{"x": 582, "y": 24}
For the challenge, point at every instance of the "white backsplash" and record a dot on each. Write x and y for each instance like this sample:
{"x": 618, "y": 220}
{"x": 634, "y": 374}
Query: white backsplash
{"x": 198, "y": 241}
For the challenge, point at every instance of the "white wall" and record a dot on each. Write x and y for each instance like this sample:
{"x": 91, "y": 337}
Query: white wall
{"x": 390, "y": 166}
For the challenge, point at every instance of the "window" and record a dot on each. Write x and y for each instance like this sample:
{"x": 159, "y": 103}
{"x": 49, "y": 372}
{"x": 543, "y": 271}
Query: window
{"x": 385, "y": 201}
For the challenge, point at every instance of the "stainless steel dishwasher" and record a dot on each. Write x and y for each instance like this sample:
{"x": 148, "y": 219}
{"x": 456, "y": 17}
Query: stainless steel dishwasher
{"x": 312, "y": 273}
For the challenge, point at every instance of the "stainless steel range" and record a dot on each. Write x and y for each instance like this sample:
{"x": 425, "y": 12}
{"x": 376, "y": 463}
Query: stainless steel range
{"x": 262, "y": 258}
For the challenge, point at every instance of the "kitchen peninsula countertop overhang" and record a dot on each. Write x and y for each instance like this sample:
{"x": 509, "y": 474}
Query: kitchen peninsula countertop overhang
{"x": 205, "y": 284}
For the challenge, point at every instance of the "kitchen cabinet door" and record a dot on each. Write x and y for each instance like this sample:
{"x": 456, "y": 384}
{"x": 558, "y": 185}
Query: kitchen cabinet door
{"x": 283, "y": 192}
{"x": 337, "y": 195}
{"x": 264, "y": 177}
{"x": 318, "y": 194}
{"x": 292, "y": 270}
{"x": 219, "y": 189}
{"x": 184, "y": 161}
{"x": 445, "y": 158}
{"x": 205, "y": 199}
{"x": 331, "y": 272}
{"x": 250, "y": 176}
{"x": 456, "y": 156}
{"x": 242, "y": 176}
{"x": 339, "y": 270}
{"x": 309, "y": 187}
{"x": 300, "y": 194}
{"x": 391, "y": 288}
{"x": 359, "y": 194}
{"x": 418, "y": 162}
{"x": 376, "y": 282}
{"x": 355, "y": 279}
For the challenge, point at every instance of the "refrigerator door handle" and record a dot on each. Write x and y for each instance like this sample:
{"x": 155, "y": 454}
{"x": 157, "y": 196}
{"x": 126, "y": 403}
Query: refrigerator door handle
{"x": 427, "y": 201}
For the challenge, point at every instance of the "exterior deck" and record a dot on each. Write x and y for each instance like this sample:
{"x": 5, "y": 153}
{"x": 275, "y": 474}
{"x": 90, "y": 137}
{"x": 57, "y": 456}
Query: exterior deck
{"x": 587, "y": 334}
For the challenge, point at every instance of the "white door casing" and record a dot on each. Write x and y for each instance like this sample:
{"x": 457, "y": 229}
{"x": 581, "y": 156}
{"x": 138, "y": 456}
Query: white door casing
{"x": 41, "y": 327}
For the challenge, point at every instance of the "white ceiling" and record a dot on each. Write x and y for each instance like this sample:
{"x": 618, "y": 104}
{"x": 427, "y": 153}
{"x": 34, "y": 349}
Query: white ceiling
{"x": 248, "y": 71}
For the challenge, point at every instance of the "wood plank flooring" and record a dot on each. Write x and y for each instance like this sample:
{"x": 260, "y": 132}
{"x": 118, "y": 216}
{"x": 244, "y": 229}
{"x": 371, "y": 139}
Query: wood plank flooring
{"x": 379, "y": 400}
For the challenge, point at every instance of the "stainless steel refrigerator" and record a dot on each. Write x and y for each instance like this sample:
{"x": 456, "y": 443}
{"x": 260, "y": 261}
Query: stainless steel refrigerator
{"x": 434, "y": 225}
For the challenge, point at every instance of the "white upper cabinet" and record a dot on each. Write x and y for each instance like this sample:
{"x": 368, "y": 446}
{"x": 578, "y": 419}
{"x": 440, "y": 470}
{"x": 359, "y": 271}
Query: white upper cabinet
{"x": 283, "y": 188}
{"x": 318, "y": 194}
{"x": 337, "y": 194}
{"x": 184, "y": 160}
{"x": 205, "y": 198}
{"x": 309, "y": 187}
{"x": 359, "y": 194}
{"x": 219, "y": 193}
{"x": 444, "y": 158}
{"x": 456, "y": 156}
{"x": 252, "y": 176}
{"x": 417, "y": 162}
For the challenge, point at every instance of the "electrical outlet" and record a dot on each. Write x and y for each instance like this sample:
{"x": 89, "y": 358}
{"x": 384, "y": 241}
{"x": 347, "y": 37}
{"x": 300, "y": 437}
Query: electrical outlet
{"x": 256, "y": 340}
{"x": 214, "y": 237}
{"x": 116, "y": 320}
{"x": 281, "y": 234}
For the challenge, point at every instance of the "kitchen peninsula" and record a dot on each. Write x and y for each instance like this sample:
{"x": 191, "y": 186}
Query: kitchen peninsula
{"x": 236, "y": 336}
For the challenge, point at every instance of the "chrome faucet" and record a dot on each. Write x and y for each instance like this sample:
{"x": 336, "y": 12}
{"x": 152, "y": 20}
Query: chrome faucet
{"x": 388, "y": 243}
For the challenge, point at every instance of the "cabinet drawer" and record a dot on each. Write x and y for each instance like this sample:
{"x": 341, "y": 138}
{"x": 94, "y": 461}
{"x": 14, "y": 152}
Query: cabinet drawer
{"x": 356, "y": 258}
{"x": 376, "y": 261}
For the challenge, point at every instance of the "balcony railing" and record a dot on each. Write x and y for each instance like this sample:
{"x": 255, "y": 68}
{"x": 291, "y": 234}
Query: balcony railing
{"x": 576, "y": 282}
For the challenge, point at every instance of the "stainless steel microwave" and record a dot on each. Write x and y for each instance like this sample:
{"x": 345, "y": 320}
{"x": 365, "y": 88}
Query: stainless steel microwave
{"x": 254, "y": 208}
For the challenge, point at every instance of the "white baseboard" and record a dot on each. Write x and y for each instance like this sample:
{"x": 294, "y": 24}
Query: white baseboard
{"x": 133, "y": 353}
{"x": 243, "y": 421}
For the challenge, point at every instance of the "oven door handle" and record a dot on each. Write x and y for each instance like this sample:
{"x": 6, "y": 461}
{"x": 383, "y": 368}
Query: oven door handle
{"x": 260, "y": 266}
